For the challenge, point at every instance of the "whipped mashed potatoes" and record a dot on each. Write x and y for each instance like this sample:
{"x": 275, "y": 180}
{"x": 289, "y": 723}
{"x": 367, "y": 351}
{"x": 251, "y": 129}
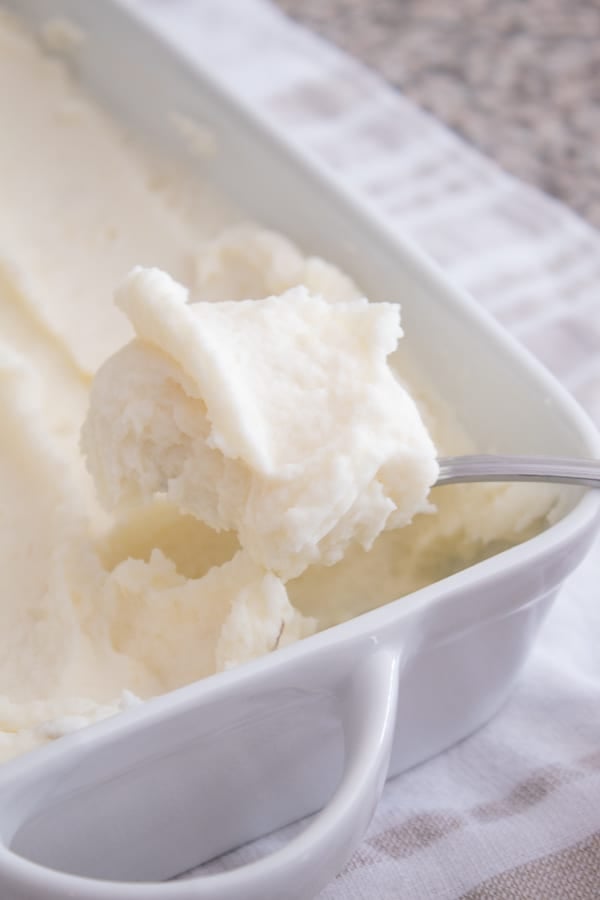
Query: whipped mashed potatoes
{"x": 176, "y": 575}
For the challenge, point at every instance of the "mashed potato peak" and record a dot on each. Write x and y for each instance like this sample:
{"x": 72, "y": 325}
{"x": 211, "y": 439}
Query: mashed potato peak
{"x": 279, "y": 419}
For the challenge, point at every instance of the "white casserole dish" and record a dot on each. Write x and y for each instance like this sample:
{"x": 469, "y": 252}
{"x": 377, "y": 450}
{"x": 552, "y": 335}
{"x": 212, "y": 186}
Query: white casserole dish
{"x": 144, "y": 796}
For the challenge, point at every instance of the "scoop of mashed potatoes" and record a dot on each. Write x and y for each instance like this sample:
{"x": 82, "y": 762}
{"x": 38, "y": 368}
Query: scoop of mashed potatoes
{"x": 278, "y": 419}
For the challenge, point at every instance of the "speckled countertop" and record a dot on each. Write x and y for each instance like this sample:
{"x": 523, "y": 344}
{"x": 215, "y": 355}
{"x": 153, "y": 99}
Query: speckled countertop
{"x": 520, "y": 79}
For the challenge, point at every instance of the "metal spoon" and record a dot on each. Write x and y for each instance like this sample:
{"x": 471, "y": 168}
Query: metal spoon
{"x": 564, "y": 469}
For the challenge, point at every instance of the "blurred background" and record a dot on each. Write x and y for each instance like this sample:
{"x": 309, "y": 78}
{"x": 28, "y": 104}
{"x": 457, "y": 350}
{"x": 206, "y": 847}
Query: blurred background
{"x": 520, "y": 79}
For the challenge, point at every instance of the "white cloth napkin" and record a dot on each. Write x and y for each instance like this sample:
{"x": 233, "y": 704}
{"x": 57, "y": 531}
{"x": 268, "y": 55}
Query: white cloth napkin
{"x": 514, "y": 811}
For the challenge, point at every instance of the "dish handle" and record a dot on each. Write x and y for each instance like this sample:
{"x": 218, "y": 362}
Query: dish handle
{"x": 310, "y": 860}
{"x": 298, "y": 870}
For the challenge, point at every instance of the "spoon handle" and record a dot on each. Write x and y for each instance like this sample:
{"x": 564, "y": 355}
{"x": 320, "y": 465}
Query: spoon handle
{"x": 565, "y": 469}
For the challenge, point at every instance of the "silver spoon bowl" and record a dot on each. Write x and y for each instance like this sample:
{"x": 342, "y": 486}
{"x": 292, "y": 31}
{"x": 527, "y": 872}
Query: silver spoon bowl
{"x": 563, "y": 469}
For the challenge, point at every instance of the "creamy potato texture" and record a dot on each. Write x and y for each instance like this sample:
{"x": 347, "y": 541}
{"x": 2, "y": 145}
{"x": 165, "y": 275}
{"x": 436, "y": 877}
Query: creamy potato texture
{"x": 103, "y": 604}
{"x": 277, "y": 419}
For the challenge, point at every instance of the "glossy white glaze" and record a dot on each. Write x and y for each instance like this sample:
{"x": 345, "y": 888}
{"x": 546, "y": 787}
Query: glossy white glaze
{"x": 166, "y": 785}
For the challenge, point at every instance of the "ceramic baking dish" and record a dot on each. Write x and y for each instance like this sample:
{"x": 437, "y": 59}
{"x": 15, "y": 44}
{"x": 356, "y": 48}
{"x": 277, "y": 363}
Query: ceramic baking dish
{"x": 115, "y": 808}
